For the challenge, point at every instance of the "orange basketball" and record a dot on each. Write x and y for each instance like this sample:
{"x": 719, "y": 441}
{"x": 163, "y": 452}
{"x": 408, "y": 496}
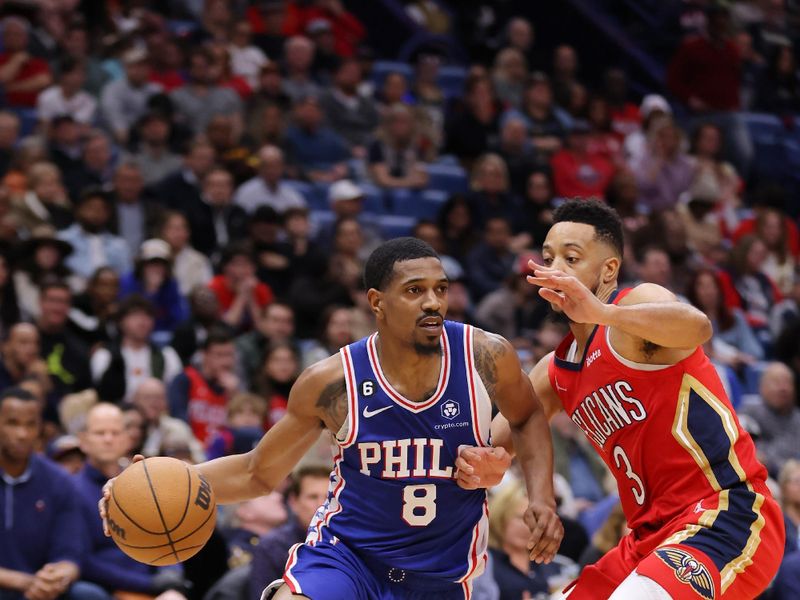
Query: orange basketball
{"x": 161, "y": 511}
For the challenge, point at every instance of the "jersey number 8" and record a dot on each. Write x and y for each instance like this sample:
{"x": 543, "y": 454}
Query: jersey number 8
{"x": 419, "y": 504}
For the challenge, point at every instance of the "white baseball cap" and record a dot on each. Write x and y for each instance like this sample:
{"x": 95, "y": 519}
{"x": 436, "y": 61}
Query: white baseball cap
{"x": 653, "y": 102}
{"x": 155, "y": 249}
{"x": 344, "y": 189}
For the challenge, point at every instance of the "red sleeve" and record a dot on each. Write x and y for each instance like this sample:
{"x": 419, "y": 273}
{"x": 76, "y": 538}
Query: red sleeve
{"x": 263, "y": 294}
{"x": 794, "y": 237}
{"x": 732, "y": 298}
{"x": 296, "y": 19}
{"x": 348, "y": 32}
{"x": 746, "y": 227}
{"x": 223, "y": 294}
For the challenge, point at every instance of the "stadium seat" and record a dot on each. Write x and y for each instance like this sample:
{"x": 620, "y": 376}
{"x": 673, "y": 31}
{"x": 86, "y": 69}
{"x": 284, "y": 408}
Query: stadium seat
{"x": 393, "y": 226}
{"x": 28, "y": 120}
{"x": 381, "y": 68}
{"x": 320, "y": 218}
{"x": 420, "y": 205}
{"x": 374, "y": 198}
{"x": 306, "y": 190}
{"x": 447, "y": 178}
{"x": 452, "y": 80}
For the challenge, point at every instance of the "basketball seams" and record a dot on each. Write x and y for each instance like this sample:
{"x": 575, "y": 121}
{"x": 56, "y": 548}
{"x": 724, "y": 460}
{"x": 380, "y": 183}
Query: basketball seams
{"x": 160, "y": 514}
{"x": 127, "y": 516}
{"x": 188, "y": 535}
{"x": 155, "y": 560}
{"x": 188, "y": 497}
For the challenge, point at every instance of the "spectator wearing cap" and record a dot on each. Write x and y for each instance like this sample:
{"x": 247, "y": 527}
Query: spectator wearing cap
{"x": 153, "y": 155}
{"x": 246, "y": 58}
{"x": 67, "y": 97}
{"x": 65, "y": 451}
{"x": 190, "y": 268}
{"x": 152, "y": 278}
{"x": 577, "y": 173}
{"x": 96, "y": 167}
{"x": 93, "y": 245}
{"x": 124, "y": 101}
{"x": 347, "y": 201}
{"x": 120, "y": 366}
{"x": 201, "y": 98}
{"x": 489, "y": 263}
{"x": 64, "y": 352}
{"x": 214, "y": 220}
{"x": 395, "y": 157}
{"x": 515, "y": 309}
{"x": 45, "y": 202}
{"x": 43, "y": 257}
{"x": 22, "y": 76}
{"x": 268, "y": 187}
{"x": 547, "y": 124}
{"x": 44, "y": 539}
{"x": 349, "y": 114}
{"x": 199, "y": 395}
{"x": 104, "y": 442}
{"x": 298, "y": 58}
{"x": 20, "y": 358}
{"x": 315, "y": 151}
{"x": 653, "y": 109}
{"x": 241, "y": 295}
{"x": 777, "y": 416}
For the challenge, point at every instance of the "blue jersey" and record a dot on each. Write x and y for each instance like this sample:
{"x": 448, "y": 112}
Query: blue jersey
{"x": 393, "y": 497}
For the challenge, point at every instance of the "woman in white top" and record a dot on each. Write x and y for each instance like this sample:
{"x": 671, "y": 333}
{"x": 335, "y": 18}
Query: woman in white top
{"x": 190, "y": 267}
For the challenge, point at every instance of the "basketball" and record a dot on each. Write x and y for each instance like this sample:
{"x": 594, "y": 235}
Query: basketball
{"x": 161, "y": 511}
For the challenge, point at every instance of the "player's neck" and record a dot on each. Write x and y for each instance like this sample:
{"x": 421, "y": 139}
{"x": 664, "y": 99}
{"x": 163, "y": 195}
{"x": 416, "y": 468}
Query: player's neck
{"x": 582, "y": 331}
{"x": 400, "y": 363}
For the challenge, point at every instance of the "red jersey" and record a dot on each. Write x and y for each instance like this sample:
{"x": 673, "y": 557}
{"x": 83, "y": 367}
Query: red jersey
{"x": 207, "y": 409}
{"x": 668, "y": 433}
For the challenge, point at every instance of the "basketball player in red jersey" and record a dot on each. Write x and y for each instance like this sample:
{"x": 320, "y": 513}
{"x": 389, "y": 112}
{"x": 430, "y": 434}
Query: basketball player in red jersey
{"x": 633, "y": 377}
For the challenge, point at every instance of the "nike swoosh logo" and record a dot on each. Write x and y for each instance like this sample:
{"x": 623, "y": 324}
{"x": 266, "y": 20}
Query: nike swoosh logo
{"x": 559, "y": 388}
{"x": 371, "y": 413}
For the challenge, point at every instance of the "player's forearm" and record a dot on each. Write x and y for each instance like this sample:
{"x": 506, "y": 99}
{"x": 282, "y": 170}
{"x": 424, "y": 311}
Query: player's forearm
{"x": 534, "y": 449}
{"x": 501, "y": 434}
{"x": 666, "y": 324}
{"x": 232, "y": 479}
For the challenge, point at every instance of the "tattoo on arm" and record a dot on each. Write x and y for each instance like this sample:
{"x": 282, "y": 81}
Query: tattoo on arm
{"x": 487, "y": 351}
{"x": 332, "y": 402}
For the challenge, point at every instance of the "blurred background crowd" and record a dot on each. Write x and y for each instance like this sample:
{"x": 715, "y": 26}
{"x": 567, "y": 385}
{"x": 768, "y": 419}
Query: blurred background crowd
{"x": 189, "y": 189}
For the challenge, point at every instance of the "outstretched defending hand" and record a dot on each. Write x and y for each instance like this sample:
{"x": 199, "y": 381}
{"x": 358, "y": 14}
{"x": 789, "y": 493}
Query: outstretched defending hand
{"x": 102, "y": 504}
{"x": 481, "y": 467}
{"x": 567, "y": 293}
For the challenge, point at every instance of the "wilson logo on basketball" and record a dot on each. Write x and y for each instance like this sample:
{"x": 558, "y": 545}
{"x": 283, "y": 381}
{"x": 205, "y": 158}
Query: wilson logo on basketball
{"x": 116, "y": 529}
{"x": 203, "y": 499}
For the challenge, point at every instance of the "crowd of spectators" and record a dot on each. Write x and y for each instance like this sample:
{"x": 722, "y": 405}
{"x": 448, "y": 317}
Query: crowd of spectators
{"x": 188, "y": 193}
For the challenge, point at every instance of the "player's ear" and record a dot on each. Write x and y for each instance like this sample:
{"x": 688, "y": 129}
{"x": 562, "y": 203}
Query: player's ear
{"x": 610, "y": 269}
{"x": 375, "y": 299}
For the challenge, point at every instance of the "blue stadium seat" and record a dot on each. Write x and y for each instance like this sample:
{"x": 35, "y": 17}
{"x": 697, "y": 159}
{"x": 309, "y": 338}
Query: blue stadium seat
{"x": 28, "y": 120}
{"x": 303, "y": 188}
{"x": 594, "y": 517}
{"x": 448, "y": 178}
{"x": 320, "y": 218}
{"x": 381, "y": 68}
{"x": 452, "y": 80}
{"x": 393, "y": 226}
{"x": 374, "y": 198}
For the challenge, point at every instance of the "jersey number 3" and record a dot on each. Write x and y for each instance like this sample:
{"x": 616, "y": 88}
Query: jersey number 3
{"x": 637, "y": 489}
{"x": 419, "y": 504}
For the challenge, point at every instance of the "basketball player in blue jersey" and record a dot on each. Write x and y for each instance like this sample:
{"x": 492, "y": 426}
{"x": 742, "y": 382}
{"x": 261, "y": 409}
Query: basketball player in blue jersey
{"x": 400, "y": 403}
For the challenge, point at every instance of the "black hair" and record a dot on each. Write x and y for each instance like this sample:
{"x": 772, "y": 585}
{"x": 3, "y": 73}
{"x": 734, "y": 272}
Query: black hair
{"x": 51, "y": 282}
{"x": 17, "y": 393}
{"x": 604, "y": 219}
{"x": 380, "y": 265}
{"x": 218, "y": 335}
{"x": 235, "y": 249}
{"x": 135, "y": 303}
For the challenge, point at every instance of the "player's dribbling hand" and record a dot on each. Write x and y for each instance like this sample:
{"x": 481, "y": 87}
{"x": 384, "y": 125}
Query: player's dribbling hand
{"x": 567, "y": 293}
{"x": 481, "y": 467}
{"x": 546, "y": 531}
{"x": 102, "y": 504}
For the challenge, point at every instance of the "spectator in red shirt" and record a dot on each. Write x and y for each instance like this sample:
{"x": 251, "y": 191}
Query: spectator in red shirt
{"x": 576, "y": 172}
{"x": 625, "y": 115}
{"x": 705, "y": 72}
{"x": 241, "y": 296}
{"x": 22, "y": 76}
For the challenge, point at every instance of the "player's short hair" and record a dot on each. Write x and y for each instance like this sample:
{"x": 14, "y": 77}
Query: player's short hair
{"x": 605, "y": 220}
{"x": 380, "y": 265}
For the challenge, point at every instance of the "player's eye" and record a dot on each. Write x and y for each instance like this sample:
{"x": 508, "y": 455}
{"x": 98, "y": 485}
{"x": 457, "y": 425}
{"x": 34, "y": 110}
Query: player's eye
{"x": 572, "y": 260}
{"x": 547, "y": 261}
{"x": 413, "y": 290}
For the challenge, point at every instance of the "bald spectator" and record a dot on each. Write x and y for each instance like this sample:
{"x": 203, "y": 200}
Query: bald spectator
{"x": 9, "y": 136}
{"x": 21, "y": 356}
{"x": 298, "y": 53}
{"x": 104, "y": 442}
{"x": 268, "y": 188}
{"x": 151, "y": 400}
{"x": 777, "y": 416}
{"x": 201, "y": 98}
{"x": 124, "y": 100}
{"x": 22, "y": 76}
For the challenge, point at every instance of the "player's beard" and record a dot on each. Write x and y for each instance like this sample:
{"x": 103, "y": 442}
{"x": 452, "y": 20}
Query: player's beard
{"x": 427, "y": 349}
